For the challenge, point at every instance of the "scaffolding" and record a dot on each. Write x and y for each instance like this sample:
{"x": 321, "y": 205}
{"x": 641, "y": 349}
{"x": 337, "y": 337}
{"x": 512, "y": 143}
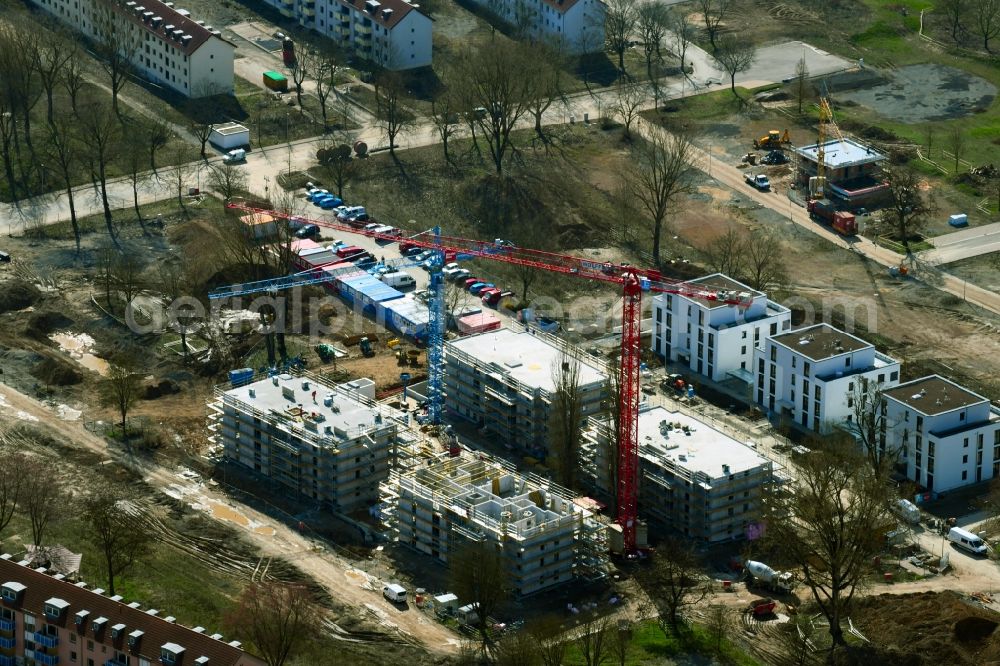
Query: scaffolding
{"x": 546, "y": 535}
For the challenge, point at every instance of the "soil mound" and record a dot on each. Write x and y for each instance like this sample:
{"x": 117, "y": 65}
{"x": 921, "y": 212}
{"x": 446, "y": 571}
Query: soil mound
{"x": 40, "y": 324}
{"x": 974, "y": 628}
{"x": 17, "y": 296}
{"x": 54, "y": 371}
{"x": 156, "y": 388}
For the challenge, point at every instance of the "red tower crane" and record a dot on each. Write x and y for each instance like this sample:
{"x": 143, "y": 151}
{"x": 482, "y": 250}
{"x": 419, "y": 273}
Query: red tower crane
{"x": 633, "y": 282}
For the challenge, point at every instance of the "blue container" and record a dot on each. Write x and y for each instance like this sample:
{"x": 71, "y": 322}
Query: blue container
{"x": 240, "y": 377}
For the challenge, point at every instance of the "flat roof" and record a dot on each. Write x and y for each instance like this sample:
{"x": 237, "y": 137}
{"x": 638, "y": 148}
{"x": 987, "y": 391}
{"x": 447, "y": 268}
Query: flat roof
{"x": 703, "y": 448}
{"x": 229, "y": 128}
{"x": 289, "y": 398}
{"x": 933, "y": 395}
{"x": 524, "y": 356}
{"x": 820, "y": 342}
{"x": 841, "y": 153}
{"x": 722, "y": 283}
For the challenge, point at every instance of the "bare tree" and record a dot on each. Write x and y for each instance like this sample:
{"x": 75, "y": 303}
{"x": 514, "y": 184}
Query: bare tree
{"x": 662, "y": 170}
{"x": 479, "y": 576}
{"x": 121, "y": 388}
{"x": 73, "y": 76}
{"x": 908, "y": 209}
{"x": 325, "y": 72}
{"x": 52, "y": 60}
{"x": 157, "y": 135}
{"x": 227, "y": 179}
{"x": 101, "y": 135}
{"x": 444, "y": 115}
{"x": 13, "y": 470}
{"x": 133, "y": 159}
{"x": 179, "y": 172}
{"x": 117, "y": 44}
{"x": 621, "y": 641}
{"x": 725, "y": 254}
{"x": 629, "y": 98}
{"x": 491, "y": 85}
{"x": 986, "y": 20}
{"x": 716, "y": 625}
{"x": 683, "y": 33}
{"x": 276, "y": 618}
{"x": 868, "y": 422}
{"x": 389, "y": 108}
{"x": 830, "y": 522}
{"x": 955, "y": 12}
{"x": 735, "y": 53}
{"x": 301, "y": 69}
{"x": 763, "y": 264}
{"x": 117, "y": 528}
{"x": 674, "y": 582}
{"x": 714, "y": 13}
{"x": 201, "y": 131}
{"x": 653, "y": 24}
{"x": 549, "y": 640}
{"x": 802, "y": 85}
{"x": 8, "y": 132}
{"x": 176, "y": 281}
{"x": 620, "y": 21}
{"x": 63, "y": 152}
{"x": 127, "y": 276}
{"x": 567, "y": 417}
{"x": 956, "y": 143}
{"x": 516, "y": 649}
{"x": 545, "y": 84}
{"x": 593, "y": 640}
{"x": 41, "y": 498}
{"x": 339, "y": 164}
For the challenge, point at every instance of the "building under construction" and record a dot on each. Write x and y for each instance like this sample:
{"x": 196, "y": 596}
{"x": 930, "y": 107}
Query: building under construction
{"x": 695, "y": 480}
{"x": 505, "y": 381}
{"x": 853, "y": 171}
{"x": 333, "y": 444}
{"x": 546, "y": 535}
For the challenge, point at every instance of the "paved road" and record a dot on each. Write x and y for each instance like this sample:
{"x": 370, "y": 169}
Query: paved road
{"x": 963, "y": 244}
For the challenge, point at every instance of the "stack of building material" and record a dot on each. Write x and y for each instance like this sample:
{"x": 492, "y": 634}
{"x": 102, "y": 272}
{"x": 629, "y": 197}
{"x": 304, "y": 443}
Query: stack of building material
{"x": 479, "y": 322}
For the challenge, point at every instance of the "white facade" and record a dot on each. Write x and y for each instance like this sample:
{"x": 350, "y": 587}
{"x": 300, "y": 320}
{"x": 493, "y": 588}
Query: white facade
{"x": 390, "y": 33}
{"x": 947, "y": 436}
{"x": 714, "y": 339}
{"x": 809, "y": 375}
{"x": 574, "y": 26}
{"x": 170, "y": 48}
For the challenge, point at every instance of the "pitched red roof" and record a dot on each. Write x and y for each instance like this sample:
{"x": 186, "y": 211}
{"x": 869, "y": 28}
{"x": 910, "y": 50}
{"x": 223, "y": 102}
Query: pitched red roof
{"x": 40, "y": 587}
{"x": 400, "y": 8}
{"x": 144, "y": 12}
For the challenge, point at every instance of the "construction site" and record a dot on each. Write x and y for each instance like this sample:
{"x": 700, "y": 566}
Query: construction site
{"x": 545, "y": 533}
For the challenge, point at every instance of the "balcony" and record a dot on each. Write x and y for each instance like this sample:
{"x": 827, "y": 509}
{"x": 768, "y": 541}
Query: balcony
{"x": 7, "y": 643}
{"x": 6, "y": 625}
{"x": 7, "y": 661}
{"x": 114, "y": 662}
{"x": 47, "y": 659}
{"x": 45, "y": 640}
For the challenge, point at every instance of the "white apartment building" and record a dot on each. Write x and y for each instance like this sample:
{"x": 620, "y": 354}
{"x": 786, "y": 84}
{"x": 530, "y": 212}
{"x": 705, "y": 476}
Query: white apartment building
{"x": 332, "y": 444}
{"x": 167, "y": 47}
{"x": 573, "y": 26}
{"x": 947, "y": 436}
{"x": 392, "y": 33}
{"x": 714, "y": 339}
{"x": 504, "y": 381}
{"x": 808, "y": 375}
{"x": 695, "y": 480}
{"x": 545, "y": 536}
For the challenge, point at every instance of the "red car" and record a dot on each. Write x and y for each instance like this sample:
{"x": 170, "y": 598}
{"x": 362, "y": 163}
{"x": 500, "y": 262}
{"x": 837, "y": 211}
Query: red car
{"x": 494, "y": 296}
{"x": 469, "y": 282}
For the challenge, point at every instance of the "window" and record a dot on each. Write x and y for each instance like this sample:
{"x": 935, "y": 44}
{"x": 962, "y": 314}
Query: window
{"x": 774, "y": 328}
{"x": 795, "y": 362}
{"x": 965, "y": 475}
{"x": 965, "y": 460}
{"x": 965, "y": 443}
{"x": 743, "y": 350}
{"x": 774, "y": 353}
{"x": 847, "y": 362}
{"x": 961, "y": 417}
{"x": 805, "y": 368}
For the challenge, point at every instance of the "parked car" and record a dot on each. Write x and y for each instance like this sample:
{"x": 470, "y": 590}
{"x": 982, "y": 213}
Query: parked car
{"x": 307, "y": 231}
{"x": 477, "y": 288}
{"x": 412, "y": 251}
{"x": 358, "y": 219}
{"x": 235, "y": 156}
{"x": 349, "y": 212}
{"x": 371, "y": 226}
{"x": 296, "y": 223}
{"x": 330, "y": 202}
{"x": 495, "y": 296}
{"x": 345, "y": 251}
{"x": 398, "y": 279}
{"x": 316, "y": 193}
{"x": 422, "y": 256}
{"x": 4, "y": 257}
{"x": 469, "y": 282}
{"x": 487, "y": 291}
{"x": 460, "y": 276}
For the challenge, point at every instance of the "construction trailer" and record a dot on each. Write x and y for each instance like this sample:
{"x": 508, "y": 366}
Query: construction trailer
{"x": 229, "y": 135}
{"x": 545, "y": 533}
{"x": 695, "y": 480}
{"x": 504, "y": 381}
{"x": 331, "y": 443}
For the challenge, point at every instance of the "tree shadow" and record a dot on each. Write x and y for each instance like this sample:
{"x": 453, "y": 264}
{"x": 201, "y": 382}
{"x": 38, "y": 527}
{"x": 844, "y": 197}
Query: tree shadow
{"x": 596, "y": 68}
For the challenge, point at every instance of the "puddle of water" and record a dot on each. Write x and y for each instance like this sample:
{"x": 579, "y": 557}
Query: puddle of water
{"x": 228, "y": 513}
{"x": 78, "y": 347}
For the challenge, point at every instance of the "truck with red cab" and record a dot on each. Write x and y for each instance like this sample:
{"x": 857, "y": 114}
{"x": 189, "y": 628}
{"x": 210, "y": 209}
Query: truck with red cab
{"x": 842, "y": 222}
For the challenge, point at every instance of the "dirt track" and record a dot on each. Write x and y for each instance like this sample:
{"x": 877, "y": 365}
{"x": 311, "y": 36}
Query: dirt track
{"x": 328, "y": 570}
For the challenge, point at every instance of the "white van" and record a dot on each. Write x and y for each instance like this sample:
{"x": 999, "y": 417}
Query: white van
{"x": 966, "y": 540}
{"x": 234, "y": 156}
{"x": 398, "y": 279}
{"x": 394, "y": 593}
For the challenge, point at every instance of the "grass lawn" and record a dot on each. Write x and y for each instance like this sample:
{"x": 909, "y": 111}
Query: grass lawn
{"x": 125, "y": 219}
{"x": 649, "y": 645}
{"x": 677, "y": 113}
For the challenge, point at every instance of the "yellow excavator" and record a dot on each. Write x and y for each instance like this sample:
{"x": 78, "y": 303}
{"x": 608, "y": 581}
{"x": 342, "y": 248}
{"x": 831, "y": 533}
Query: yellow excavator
{"x": 774, "y": 140}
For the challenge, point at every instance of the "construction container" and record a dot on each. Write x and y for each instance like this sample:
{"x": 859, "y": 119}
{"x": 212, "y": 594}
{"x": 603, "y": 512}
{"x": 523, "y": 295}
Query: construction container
{"x": 406, "y": 315}
{"x": 229, "y": 135}
{"x": 366, "y": 292}
{"x": 275, "y": 81}
{"x": 240, "y": 377}
{"x": 482, "y": 321}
